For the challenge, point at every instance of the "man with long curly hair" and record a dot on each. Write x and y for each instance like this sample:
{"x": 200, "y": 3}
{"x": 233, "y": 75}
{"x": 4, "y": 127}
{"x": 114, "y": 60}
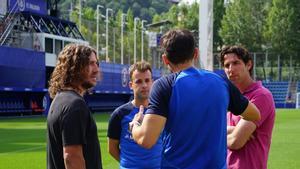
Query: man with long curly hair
{"x": 72, "y": 140}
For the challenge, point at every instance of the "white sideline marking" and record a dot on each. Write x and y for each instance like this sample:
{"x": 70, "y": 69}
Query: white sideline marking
{"x": 22, "y": 150}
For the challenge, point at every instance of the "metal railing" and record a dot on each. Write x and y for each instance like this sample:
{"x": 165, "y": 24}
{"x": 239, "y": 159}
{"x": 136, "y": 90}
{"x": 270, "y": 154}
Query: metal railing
{"x": 8, "y": 24}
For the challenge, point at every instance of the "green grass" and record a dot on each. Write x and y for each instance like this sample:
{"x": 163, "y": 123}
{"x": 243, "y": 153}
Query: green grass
{"x": 285, "y": 146}
{"x": 23, "y": 142}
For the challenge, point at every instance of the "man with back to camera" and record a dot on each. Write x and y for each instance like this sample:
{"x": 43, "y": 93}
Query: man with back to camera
{"x": 248, "y": 142}
{"x": 120, "y": 143}
{"x": 72, "y": 140}
{"x": 190, "y": 105}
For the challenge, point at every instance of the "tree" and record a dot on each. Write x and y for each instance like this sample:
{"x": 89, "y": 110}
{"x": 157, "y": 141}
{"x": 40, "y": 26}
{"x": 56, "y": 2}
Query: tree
{"x": 181, "y": 16}
{"x": 282, "y": 28}
{"x": 129, "y": 36}
{"x": 243, "y": 24}
{"x": 144, "y": 9}
{"x": 192, "y": 17}
{"x": 219, "y": 11}
{"x": 136, "y": 9}
{"x": 295, "y": 37}
{"x": 172, "y": 15}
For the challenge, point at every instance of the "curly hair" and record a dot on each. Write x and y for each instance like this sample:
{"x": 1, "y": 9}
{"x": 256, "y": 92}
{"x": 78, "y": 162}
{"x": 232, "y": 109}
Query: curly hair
{"x": 72, "y": 61}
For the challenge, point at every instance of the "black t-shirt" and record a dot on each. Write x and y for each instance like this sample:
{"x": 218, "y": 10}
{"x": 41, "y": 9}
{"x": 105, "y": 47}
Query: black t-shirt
{"x": 70, "y": 122}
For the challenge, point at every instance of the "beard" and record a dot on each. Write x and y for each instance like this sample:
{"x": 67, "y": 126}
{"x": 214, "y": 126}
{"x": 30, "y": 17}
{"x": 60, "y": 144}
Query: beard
{"x": 87, "y": 85}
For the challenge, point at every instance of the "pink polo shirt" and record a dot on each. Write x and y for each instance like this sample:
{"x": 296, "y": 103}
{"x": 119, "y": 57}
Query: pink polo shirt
{"x": 254, "y": 154}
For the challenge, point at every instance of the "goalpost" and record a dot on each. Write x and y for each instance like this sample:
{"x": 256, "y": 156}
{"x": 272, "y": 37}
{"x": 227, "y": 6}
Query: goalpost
{"x": 298, "y": 101}
{"x": 206, "y": 34}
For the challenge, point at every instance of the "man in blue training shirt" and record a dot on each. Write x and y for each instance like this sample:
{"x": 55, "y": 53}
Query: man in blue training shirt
{"x": 120, "y": 143}
{"x": 190, "y": 105}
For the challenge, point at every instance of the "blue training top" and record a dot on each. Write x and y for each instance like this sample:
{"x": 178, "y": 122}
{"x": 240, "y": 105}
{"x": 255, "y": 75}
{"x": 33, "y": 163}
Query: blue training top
{"x": 132, "y": 156}
{"x": 195, "y": 103}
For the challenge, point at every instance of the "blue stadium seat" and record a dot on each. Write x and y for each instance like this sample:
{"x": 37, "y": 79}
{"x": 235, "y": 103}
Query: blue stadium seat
{"x": 279, "y": 91}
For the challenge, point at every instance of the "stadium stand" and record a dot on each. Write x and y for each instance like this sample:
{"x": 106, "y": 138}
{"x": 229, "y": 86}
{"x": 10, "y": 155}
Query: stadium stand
{"x": 279, "y": 91}
{"x": 13, "y": 105}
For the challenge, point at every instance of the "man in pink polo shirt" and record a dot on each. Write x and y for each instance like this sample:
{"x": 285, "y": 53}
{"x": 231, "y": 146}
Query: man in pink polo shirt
{"x": 248, "y": 142}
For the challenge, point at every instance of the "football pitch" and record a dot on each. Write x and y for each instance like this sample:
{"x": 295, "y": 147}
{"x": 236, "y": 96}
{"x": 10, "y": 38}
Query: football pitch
{"x": 23, "y": 142}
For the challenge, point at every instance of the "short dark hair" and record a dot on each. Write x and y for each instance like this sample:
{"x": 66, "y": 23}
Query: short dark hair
{"x": 141, "y": 66}
{"x": 241, "y": 52}
{"x": 178, "y": 45}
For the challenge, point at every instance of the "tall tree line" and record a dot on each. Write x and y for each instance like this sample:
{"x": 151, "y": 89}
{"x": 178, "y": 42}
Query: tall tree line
{"x": 142, "y": 8}
{"x": 270, "y": 25}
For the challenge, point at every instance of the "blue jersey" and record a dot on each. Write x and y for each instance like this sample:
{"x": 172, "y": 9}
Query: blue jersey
{"x": 195, "y": 103}
{"x": 132, "y": 156}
